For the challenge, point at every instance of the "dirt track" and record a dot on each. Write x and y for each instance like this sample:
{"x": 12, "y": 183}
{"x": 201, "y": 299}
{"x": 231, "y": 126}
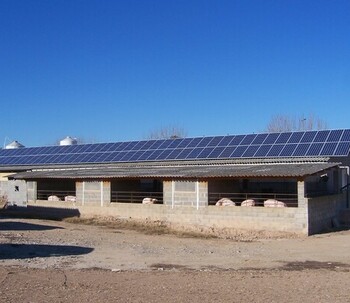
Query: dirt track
{"x": 44, "y": 261}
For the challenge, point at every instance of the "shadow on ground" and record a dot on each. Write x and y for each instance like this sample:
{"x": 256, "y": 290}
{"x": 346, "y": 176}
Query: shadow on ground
{"x": 305, "y": 265}
{"x": 4, "y": 226}
{"x": 40, "y": 212}
{"x": 23, "y": 251}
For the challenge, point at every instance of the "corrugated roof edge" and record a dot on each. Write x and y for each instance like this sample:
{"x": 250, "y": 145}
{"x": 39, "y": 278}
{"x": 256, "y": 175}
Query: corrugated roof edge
{"x": 281, "y": 170}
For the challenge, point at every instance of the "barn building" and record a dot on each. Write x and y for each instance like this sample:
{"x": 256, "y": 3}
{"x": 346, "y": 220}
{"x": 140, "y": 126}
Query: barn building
{"x": 290, "y": 181}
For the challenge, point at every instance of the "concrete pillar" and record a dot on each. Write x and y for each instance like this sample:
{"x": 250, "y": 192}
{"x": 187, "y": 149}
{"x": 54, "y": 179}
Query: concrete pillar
{"x": 302, "y": 200}
{"x": 185, "y": 193}
{"x": 93, "y": 193}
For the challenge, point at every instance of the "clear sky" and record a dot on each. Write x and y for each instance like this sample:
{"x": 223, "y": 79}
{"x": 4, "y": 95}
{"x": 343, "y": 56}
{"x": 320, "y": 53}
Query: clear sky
{"x": 111, "y": 70}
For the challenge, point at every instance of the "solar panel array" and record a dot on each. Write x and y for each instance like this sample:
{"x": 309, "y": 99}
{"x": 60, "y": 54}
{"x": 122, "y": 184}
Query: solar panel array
{"x": 325, "y": 143}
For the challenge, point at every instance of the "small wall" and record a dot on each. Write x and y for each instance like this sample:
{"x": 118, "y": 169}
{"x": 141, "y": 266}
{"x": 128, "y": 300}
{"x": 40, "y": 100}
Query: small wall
{"x": 322, "y": 210}
{"x": 235, "y": 217}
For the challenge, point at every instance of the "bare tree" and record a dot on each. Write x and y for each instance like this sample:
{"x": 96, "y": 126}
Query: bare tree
{"x": 167, "y": 132}
{"x": 285, "y": 123}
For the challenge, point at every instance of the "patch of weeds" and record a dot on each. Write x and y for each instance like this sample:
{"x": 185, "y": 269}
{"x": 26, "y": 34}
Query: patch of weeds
{"x": 145, "y": 227}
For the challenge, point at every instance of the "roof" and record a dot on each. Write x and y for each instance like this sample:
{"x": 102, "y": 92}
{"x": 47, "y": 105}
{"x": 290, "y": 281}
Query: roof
{"x": 324, "y": 143}
{"x": 232, "y": 170}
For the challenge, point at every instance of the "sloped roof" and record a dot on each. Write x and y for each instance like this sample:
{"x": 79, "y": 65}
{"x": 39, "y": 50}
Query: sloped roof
{"x": 323, "y": 143}
{"x": 233, "y": 170}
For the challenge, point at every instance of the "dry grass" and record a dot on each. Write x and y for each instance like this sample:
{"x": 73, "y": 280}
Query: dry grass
{"x": 150, "y": 227}
{"x": 147, "y": 227}
{"x": 3, "y": 202}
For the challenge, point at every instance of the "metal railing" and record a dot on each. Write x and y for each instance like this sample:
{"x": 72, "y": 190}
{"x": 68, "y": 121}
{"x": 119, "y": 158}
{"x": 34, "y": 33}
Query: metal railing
{"x": 135, "y": 197}
{"x": 290, "y": 199}
{"x": 44, "y": 194}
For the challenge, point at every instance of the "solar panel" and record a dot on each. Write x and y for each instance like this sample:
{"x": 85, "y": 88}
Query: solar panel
{"x": 271, "y": 138}
{"x": 289, "y": 144}
{"x": 295, "y": 137}
{"x": 248, "y": 139}
{"x": 308, "y": 137}
{"x": 139, "y": 145}
{"x": 237, "y": 140}
{"x": 227, "y": 152}
{"x": 164, "y": 144}
{"x": 275, "y": 150}
{"x": 239, "y": 151}
{"x": 184, "y": 153}
{"x": 148, "y": 144}
{"x": 175, "y": 143}
{"x": 184, "y": 143}
{"x": 216, "y": 152}
{"x": 334, "y": 135}
{"x": 146, "y": 155}
{"x": 173, "y": 154}
{"x": 205, "y": 142}
{"x": 116, "y": 157}
{"x": 163, "y": 154}
{"x": 136, "y": 155}
{"x": 342, "y": 149}
{"x": 156, "y": 144}
{"x": 283, "y": 138}
{"x": 157, "y": 155}
{"x": 226, "y": 141}
{"x": 263, "y": 150}
{"x": 328, "y": 149}
{"x": 315, "y": 149}
{"x": 288, "y": 150}
{"x": 259, "y": 139}
{"x": 250, "y": 151}
{"x": 194, "y": 153}
{"x": 301, "y": 150}
{"x": 194, "y": 142}
{"x": 215, "y": 141}
{"x": 346, "y": 136}
{"x": 322, "y": 136}
{"x": 205, "y": 153}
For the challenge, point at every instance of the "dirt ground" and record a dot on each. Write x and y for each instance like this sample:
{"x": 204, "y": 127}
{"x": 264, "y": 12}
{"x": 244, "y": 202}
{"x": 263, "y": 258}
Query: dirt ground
{"x": 57, "y": 261}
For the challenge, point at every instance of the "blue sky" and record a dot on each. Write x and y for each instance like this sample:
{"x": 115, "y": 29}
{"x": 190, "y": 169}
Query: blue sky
{"x": 105, "y": 70}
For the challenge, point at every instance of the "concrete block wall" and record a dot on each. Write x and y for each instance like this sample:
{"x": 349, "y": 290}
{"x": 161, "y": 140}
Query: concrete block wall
{"x": 235, "y": 217}
{"x": 323, "y": 210}
{"x": 79, "y": 192}
{"x": 185, "y": 193}
{"x": 93, "y": 193}
{"x": 31, "y": 190}
{"x": 167, "y": 192}
{"x": 311, "y": 216}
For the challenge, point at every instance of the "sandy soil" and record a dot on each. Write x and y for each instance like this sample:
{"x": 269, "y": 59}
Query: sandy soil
{"x": 43, "y": 261}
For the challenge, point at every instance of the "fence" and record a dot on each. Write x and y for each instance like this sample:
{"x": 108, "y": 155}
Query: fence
{"x": 290, "y": 199}
{"x": 45, "y": 194}
{"x": 135, "y": 197}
